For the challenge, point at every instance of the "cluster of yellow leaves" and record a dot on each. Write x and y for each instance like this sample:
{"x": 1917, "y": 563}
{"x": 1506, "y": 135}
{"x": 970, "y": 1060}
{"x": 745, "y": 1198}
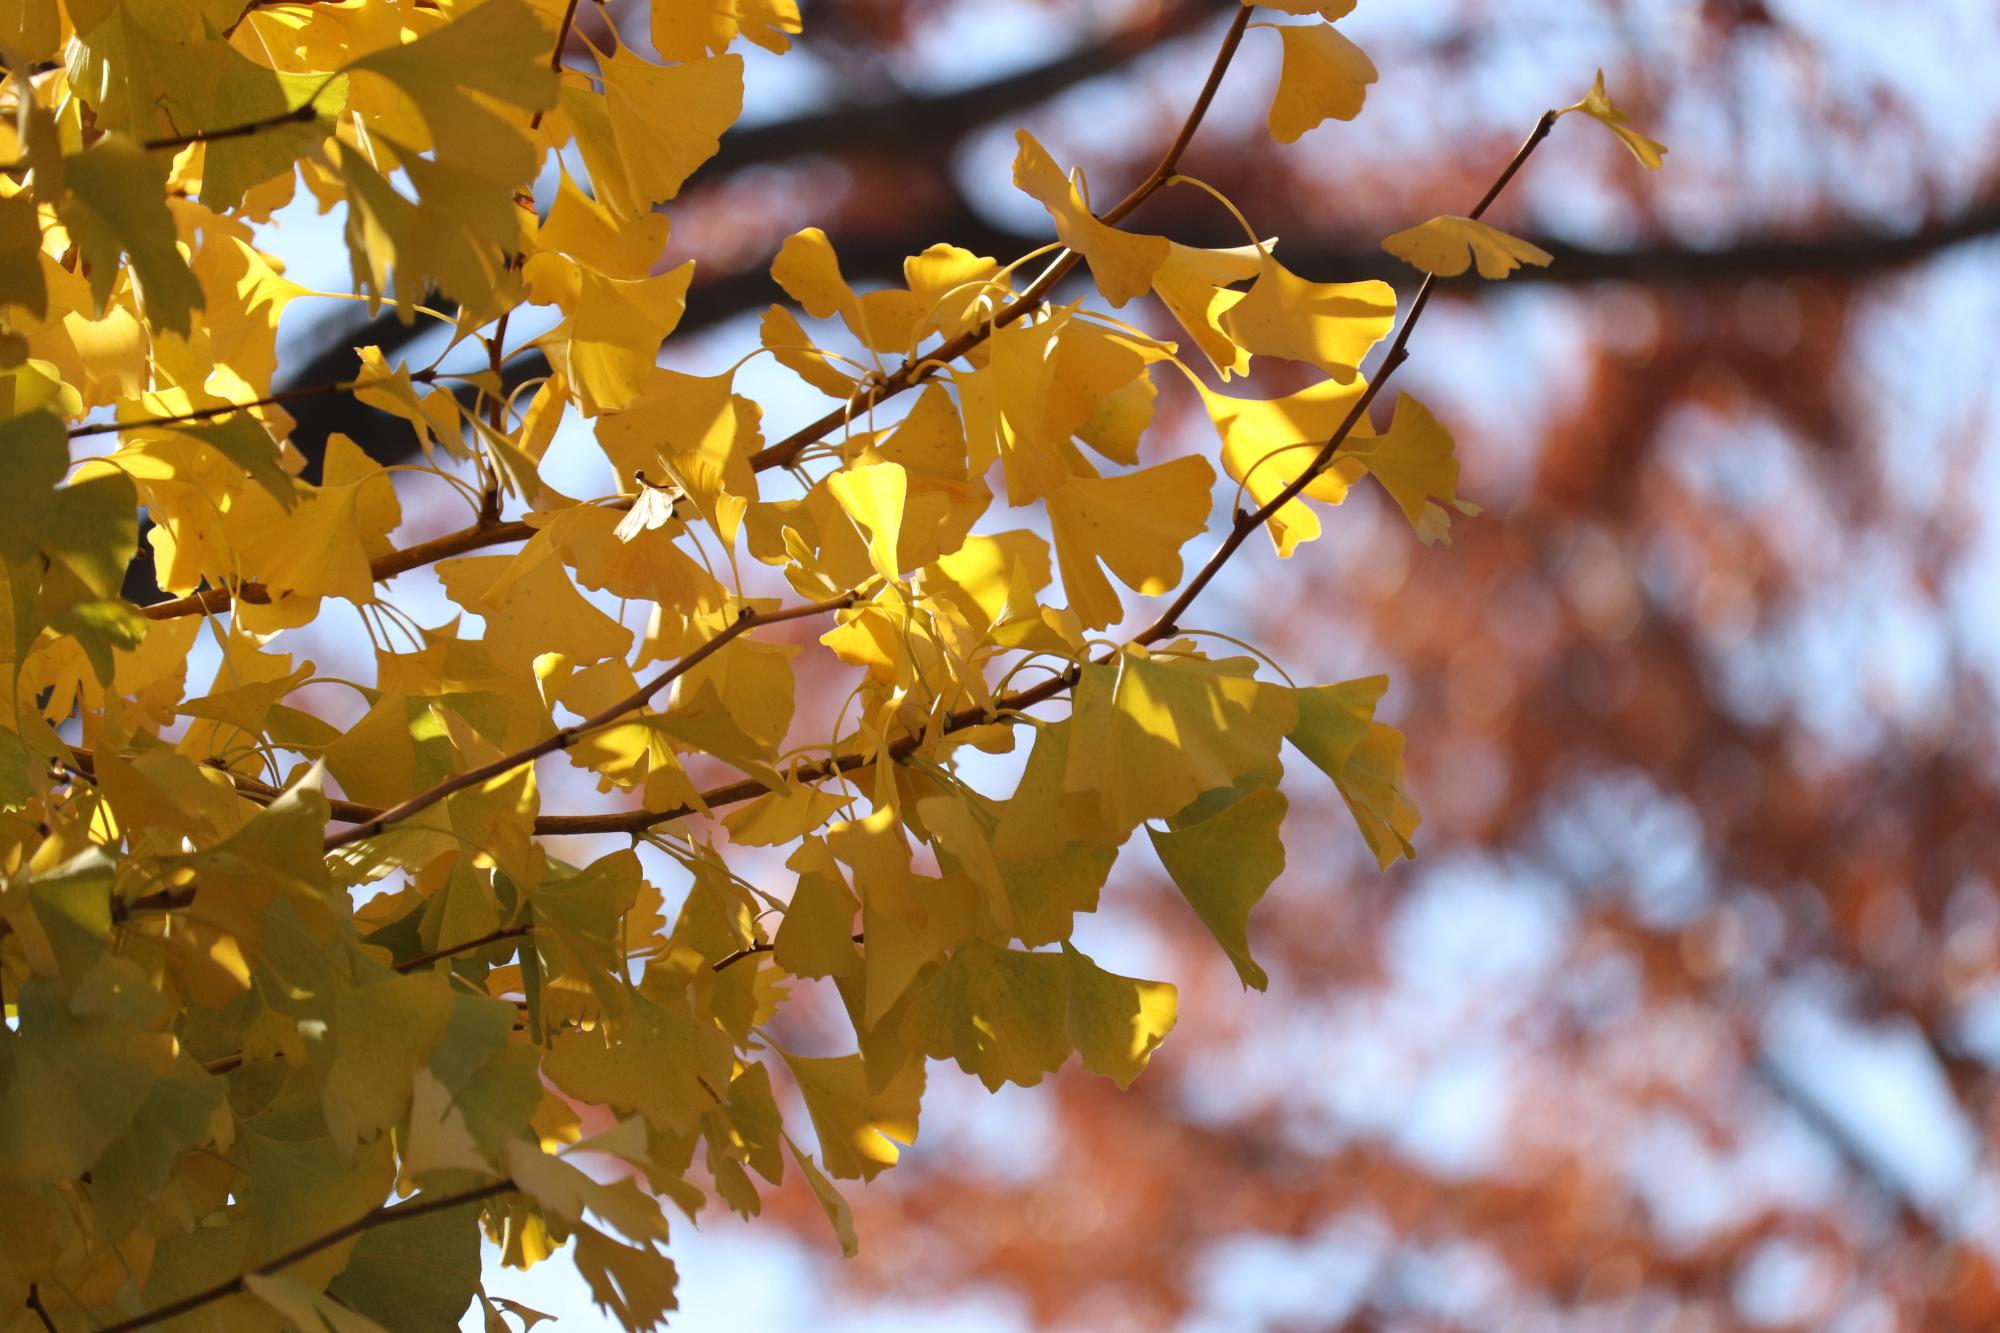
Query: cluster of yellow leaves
{"x": 272, "y": 962}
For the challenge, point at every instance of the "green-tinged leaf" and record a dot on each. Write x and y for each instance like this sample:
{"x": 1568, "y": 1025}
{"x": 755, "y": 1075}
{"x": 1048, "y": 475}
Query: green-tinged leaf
{"x": 665, "y": 1064}
{"x": 37, "y": 455}
{"x": 1223, "y": 865}
{"x": 635, "y": 1285}
{"x": 858, "y": 1128}
{"x": 417, "y": 1275}
{"x": 815, "y": 938}
{"x": 1153, "y": 732}
{"x": 1001, "y": 1014}
{"x": 838, "y": 1211}
{"x": 1116, "y": 1022}
{"x": 1337, "y": 731}
{"x": 117, "y": 208}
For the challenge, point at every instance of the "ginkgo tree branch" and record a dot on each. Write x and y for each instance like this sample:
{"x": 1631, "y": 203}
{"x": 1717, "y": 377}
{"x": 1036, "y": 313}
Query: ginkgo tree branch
{"x": 917, "y": 369}
{"x": 1163, "y": 626}
{"x": 464, "y": 946}
{"x": 375, "y": 1217}
{"x": 301, "y": 114}
{"x": 40, "y": 1311}
{"x": 298, "y": 115}
{"x": 563, "y": 738}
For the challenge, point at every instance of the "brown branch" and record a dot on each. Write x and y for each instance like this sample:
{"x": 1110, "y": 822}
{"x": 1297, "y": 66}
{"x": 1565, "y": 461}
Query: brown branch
{"x": 555, "y": 67}
{"x": 41, "y": 1311}
{"x": 920, "y": 368}
{"x": 298, "y": 115}
{"x": 225, "y": 409}
{"x": 464, "y": 946}
{"x": 741, "y": 954}
{"x": 375, "y": 1217}
{"x": 562, "y": 739}
{"x": 305, "y": 113}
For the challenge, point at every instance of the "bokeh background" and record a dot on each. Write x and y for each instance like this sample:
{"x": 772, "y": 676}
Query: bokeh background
{"x": 1688, "y": 1014}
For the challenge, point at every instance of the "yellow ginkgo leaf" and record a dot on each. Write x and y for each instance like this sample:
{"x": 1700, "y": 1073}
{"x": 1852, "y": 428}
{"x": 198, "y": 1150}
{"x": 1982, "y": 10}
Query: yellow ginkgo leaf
{"x": 531, "y": 607}
{"x": 322, "y": 547}
{"x": 1136, "y": 523}
{"x": 21, "y": 280}
{"x": 498, "y": 51}
{"x": 1043, "y": 384}
{"x": 1598, "y": 105}
{"x": 1152, "y": 731}
{"x": 791, "y": 347}
{"x": 859, "y": 1127}
{"x": 1324, "y": 76}
{"x": 691, "y": 430}
{"x": 873, "y": 497}
{"x": 1267, "y": 442}
{"x": 1416, "y": 464}
{"x": 1336, "y": 729}
{"x": 816, "y": 938}
{"x": 594, "y": 236}
{"x": 691, "y": 29}
{"x": 662, "y": 1060}
{"x": 1326, "y": 324}
{"x": 615, "y": 328}
{"x": 1122, "y": 262}
{"x": 459, "y": 235}
{"x": 1193, "y": 284}
{"x": 1116, "y": 1022}
{"x": 1002, "y": 1014}
{"x": 1223, "y": 864}
{"x": 809, "y": 271}
{"x": 953, "y": 288}
{"x": 1448, "y": 245}
{"x": 653, "y": 126}
{"x": 225, "y": 88}
{"x": 838, "y": 1212}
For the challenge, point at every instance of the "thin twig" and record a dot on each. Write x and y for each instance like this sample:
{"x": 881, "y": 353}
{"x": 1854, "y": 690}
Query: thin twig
{"x": 298, "y": 115}
{"x": 304, "y": 113}
{"x": 464, "y": 946}
{"x": 41, "y": 1311}
{"x": 555, "y": 55}
{"x": 737, "y": 957}
{"x": 401, "y": 1212}
{"x": 564, "y": 738}
{"x": 225, "y": 409}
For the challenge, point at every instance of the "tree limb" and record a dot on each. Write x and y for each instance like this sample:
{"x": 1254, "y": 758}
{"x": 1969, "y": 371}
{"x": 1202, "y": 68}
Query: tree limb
{"x": 375, "y": 1217}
